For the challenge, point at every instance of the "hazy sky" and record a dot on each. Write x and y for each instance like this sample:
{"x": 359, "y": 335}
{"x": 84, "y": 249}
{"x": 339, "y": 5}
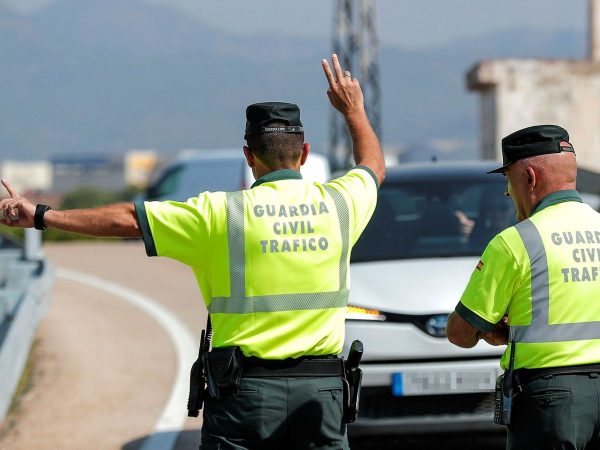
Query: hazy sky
{"x": 408, "y": 23}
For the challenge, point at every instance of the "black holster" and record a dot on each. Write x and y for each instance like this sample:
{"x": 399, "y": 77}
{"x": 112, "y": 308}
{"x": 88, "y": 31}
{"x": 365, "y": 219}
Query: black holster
{"x": 223, "y": 368}
{"x": 352, "y": 382}
{"x": 196, "y": 395}
{"x": 505, "y": 391}
{"x": 197, "y": 392}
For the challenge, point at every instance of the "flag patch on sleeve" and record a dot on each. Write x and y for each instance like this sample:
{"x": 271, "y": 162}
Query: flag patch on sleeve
{"x": 479, "y": 265}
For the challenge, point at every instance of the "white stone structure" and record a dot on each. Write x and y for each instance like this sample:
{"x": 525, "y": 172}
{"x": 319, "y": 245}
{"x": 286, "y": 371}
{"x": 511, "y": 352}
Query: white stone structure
{"x": 27, "y": 176}
{"x": 516, "y": 93}
{"x": 139, "y": 167}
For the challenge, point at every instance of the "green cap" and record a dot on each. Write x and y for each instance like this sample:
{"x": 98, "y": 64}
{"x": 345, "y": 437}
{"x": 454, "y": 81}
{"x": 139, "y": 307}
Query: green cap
{"x": 533, "y": 141}
{"x": 260, "y": 115}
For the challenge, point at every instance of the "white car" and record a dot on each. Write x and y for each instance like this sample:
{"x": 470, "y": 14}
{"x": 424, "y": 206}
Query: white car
{"x": 196, "y": 171}
{"x": 409, "y": 269}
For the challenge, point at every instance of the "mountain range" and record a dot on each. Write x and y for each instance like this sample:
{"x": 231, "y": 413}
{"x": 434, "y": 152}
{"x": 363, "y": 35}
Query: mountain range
{"x": 104, "y": 76}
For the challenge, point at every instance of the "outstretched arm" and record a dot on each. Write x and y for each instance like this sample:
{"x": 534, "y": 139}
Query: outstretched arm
{"x": 117, "y": 220}
{"x": 346, "y": 96}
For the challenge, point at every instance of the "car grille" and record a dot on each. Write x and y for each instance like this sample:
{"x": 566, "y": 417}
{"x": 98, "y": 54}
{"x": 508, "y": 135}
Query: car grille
{"x": 378, "y": 403}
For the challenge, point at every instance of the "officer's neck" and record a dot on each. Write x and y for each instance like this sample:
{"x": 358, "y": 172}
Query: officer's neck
{"x": 260, "y": 170}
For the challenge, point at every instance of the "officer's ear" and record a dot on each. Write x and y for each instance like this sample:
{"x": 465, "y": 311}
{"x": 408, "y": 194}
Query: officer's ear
{"x": 305, "y": 152}
{"x": 531, "y": 178}
{"x": 249, "y": 156}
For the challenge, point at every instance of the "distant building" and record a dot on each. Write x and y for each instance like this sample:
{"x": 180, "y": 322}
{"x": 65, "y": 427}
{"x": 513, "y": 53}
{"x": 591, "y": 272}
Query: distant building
{"x": 516, "y": 93}
{"x": 100, "y": 171}
{"x": 28, "y": 176}
{"x": 139, "y": 167}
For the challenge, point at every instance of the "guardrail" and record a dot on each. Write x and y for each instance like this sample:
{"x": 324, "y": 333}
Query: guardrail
{"x": 26, "y": 280}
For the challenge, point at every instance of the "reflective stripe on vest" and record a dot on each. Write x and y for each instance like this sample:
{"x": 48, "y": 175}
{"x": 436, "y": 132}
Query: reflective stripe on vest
{"x": 540, "y": 330}
{"x": 238, "y": 303}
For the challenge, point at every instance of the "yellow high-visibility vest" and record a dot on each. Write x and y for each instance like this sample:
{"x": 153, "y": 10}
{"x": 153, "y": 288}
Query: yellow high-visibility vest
{"x": 545, "y": 274}
{"x": 272, "y": 262}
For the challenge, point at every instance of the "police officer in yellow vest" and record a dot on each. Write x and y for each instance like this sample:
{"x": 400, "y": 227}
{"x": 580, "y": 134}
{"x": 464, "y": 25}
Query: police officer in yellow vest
{"x": 272, "y": 264}
{"x": 537, "y": 287}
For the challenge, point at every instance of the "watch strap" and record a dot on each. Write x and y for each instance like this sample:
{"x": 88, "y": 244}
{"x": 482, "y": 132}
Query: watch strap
{"x": 38, "y": 217}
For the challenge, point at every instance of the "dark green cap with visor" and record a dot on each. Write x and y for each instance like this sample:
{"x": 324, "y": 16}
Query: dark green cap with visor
{"x": 260, "y": 115}
{"x": 533, "y": 141}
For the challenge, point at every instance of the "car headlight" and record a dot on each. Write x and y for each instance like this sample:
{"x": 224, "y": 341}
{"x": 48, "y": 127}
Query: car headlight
{"x": 360, "y": 313}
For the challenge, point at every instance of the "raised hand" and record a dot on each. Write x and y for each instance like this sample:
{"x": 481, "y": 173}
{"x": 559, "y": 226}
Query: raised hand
{"x": 16, "y": 211}
{"x": 344, "y": 92}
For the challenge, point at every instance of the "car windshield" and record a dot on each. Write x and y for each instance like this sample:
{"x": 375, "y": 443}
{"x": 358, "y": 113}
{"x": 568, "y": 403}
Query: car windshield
{"x": 425, "y": 219}
{"x": 214, "y": 175}
{"x": 183, "y": 181}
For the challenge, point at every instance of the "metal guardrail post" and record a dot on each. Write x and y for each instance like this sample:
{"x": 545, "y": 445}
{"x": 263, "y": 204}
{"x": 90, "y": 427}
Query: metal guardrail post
{"x": 33, "y": 245}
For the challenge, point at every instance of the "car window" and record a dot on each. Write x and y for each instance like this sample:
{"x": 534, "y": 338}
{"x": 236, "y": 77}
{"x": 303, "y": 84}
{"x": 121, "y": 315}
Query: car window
{"x": 166, "y": 185}
{"x": 213, "y": 175}
{"x": 188, "y": 179}
{"x": 422, "y": 219}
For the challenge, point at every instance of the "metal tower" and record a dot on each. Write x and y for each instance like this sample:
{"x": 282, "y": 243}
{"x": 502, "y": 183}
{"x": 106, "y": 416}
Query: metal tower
{"x": 356, "y": 42}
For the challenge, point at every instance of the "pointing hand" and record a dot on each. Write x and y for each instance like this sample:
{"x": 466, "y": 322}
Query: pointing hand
{"x": 16, "y": 211}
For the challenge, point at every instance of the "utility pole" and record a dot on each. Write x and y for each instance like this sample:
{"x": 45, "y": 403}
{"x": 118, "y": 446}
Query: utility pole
{"x": 594, "y": 30}
{"x": 356, "y": 42}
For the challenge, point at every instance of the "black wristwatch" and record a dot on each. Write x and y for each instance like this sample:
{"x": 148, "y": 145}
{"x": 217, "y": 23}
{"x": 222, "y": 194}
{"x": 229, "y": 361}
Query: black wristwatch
{"x": 38, "y": 217}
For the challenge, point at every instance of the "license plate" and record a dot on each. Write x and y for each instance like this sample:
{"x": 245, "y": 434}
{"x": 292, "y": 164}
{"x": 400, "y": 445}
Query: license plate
{"x": 442, "y": 382}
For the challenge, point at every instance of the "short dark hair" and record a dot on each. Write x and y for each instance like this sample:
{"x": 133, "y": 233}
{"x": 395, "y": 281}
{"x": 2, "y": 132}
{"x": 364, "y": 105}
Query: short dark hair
{"x": 276, "y": 149}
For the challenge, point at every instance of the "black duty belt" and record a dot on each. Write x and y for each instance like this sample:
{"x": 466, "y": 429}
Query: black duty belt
{"x": 322, "y": 366}
{"x": 525, "y": 375}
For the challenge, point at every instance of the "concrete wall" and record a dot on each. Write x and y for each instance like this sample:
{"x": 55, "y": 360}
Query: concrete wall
{"x": 519, "y": 93}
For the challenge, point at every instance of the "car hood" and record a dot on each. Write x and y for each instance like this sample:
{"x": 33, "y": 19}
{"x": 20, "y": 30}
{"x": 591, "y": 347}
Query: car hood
{"x": 411, "y": 286}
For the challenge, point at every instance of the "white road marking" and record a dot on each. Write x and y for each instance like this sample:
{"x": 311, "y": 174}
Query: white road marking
{"x": 174, "y": 414}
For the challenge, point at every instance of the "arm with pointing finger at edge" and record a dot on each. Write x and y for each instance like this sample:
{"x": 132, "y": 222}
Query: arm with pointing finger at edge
{"x": 15, "y": 210}
{"x": 117, "y": 220}
{"x": 346, "y": 96}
